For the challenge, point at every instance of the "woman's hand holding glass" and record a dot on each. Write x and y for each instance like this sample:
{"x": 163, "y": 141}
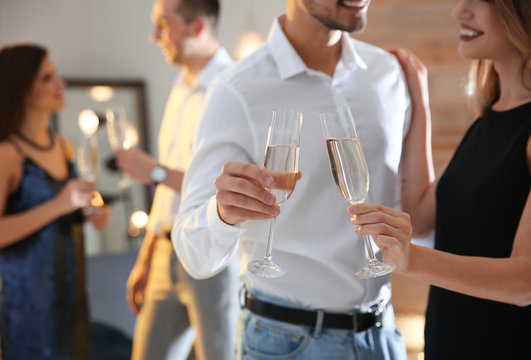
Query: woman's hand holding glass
{"x": 390, "y": 229}
{"x": 76, "y": 194}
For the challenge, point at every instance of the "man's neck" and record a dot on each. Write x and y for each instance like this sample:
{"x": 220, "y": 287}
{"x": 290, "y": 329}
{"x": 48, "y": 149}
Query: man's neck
{"x": 318, "y": 46}
{"x": 193, "y": 65}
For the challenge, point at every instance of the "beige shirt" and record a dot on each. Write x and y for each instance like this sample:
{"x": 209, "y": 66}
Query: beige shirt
{"x": 183, "y": 109}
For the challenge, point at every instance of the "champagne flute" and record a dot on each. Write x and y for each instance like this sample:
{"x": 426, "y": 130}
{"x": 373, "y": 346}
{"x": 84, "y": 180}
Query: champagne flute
{"x": 87, "y": 157}
{"x": 87, "y": 161}
{"x": 121, "y": 135}
{"x": 350, "y": 173}
{"x": 282, "y": 159}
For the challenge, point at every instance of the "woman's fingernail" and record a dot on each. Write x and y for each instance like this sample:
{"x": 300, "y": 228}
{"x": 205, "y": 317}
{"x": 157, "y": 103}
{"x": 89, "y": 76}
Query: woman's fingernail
{"x": 268, "y": 180}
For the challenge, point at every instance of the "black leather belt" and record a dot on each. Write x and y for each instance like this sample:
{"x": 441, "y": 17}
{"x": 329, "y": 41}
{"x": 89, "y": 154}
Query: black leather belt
{"x": 357, "y": 321}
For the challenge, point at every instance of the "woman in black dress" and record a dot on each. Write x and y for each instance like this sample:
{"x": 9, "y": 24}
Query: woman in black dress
{"x": 43, "y": 307}
{"x": 480, "y": 208}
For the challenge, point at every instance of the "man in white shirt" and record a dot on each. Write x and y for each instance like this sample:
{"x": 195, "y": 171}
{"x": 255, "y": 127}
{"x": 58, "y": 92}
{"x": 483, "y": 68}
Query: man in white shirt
{"x": 318, "y": 309}
{"x": 166, "y": 299}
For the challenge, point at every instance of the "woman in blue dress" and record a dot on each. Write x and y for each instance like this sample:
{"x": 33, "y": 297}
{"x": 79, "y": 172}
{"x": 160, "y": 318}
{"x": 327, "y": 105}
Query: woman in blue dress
{"x": 479, "y": 305}
{"x": 43, "y": 306}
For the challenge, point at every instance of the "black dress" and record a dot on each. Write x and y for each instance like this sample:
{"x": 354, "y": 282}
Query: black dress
{"x": 43, "y": 306}
{"x": 480, "y": 199}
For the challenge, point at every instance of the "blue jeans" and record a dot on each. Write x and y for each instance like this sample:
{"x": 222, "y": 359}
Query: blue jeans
{"x": 261, "y": 338}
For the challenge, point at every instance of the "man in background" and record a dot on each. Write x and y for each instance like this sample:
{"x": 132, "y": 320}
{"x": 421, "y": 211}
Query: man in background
{"x": 166, "y": 300}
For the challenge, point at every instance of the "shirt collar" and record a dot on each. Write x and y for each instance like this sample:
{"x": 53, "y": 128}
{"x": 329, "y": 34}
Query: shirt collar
{"x": 219, "y": 61}
{"x": 289, "y": 62}
{"x": 349, "y": 56}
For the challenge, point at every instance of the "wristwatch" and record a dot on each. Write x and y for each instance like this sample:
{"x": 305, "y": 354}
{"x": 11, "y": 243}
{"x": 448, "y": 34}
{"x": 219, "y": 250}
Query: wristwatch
{"x": 158, "y": 174}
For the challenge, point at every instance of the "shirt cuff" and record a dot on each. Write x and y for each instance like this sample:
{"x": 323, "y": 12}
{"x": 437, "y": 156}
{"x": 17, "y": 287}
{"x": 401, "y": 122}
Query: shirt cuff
{"x": 224, "y": 233}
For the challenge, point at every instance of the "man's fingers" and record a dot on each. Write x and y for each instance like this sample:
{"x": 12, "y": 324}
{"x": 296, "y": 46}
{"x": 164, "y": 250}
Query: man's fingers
{"x": 245, "y": 187}
{"x": 236, "y": 200}
{"x": 249, "y": 171}
{"x": 243, "y": 214}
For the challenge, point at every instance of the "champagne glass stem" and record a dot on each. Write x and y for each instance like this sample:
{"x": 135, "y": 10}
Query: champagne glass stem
{"x": 270, "y": 239}
{"x": 266, "y": 267}
{"x": 368, "y": 246}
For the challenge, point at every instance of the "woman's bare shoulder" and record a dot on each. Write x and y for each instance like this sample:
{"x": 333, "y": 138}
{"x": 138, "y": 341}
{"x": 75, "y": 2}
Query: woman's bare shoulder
{"x": 11, "y": 159}
{"x": 9, "y": 153}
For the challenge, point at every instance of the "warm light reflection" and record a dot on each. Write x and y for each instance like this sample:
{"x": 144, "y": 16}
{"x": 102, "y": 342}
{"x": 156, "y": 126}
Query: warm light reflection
{"x": 101, "y": 93}
{"x": 137, "y": 222}
{"x": 131, "y": 137}
{"x": 412, "y": 327}
{"x": 139, "y": 219}
{"x": 249, "y": 42}
{"x": 97, "y": 200}
{"x": 88, "y": 122}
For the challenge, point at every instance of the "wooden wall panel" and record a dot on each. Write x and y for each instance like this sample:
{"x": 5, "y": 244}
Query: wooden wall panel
{"x": 427, "y": 28}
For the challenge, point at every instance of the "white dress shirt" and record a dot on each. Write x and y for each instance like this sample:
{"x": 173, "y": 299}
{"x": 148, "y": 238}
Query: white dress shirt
{"x": 183, "y": 109}
{"x": 314, "y": 239}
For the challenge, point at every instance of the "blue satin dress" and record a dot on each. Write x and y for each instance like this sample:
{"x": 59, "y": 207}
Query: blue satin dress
{"x": 43, "y": 305}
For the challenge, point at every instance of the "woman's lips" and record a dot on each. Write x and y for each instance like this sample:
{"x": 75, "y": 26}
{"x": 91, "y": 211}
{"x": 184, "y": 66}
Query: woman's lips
{"x": 467, "y": 33}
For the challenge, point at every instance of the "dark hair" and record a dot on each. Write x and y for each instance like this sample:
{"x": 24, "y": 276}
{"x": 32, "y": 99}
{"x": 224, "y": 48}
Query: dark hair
{"x": 192, "y": 9}
{"x": 19, "y": 64}
{"x": 515, "y": 16}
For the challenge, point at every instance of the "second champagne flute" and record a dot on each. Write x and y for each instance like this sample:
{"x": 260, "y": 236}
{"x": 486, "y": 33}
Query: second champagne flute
{"x": 282, "y": 158}
{"x": 120, "y": 133}
{"x": 350, "y": 172}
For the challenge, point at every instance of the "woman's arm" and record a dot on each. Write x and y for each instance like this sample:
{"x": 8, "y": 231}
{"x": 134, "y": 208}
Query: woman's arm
{"x": 500, "y": 279}
{"x": 418, "y": 180}
{"x": 75, "y": 194}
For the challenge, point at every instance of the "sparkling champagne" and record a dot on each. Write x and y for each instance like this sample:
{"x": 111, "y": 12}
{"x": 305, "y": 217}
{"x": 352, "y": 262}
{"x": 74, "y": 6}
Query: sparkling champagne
{"x": 87, "y": 159}
{"x": 350, "y": 174}
{"x": 285, "y": 161}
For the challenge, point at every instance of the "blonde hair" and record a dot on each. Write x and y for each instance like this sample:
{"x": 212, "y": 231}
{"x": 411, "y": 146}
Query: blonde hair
{"x": 483, "y": 82}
